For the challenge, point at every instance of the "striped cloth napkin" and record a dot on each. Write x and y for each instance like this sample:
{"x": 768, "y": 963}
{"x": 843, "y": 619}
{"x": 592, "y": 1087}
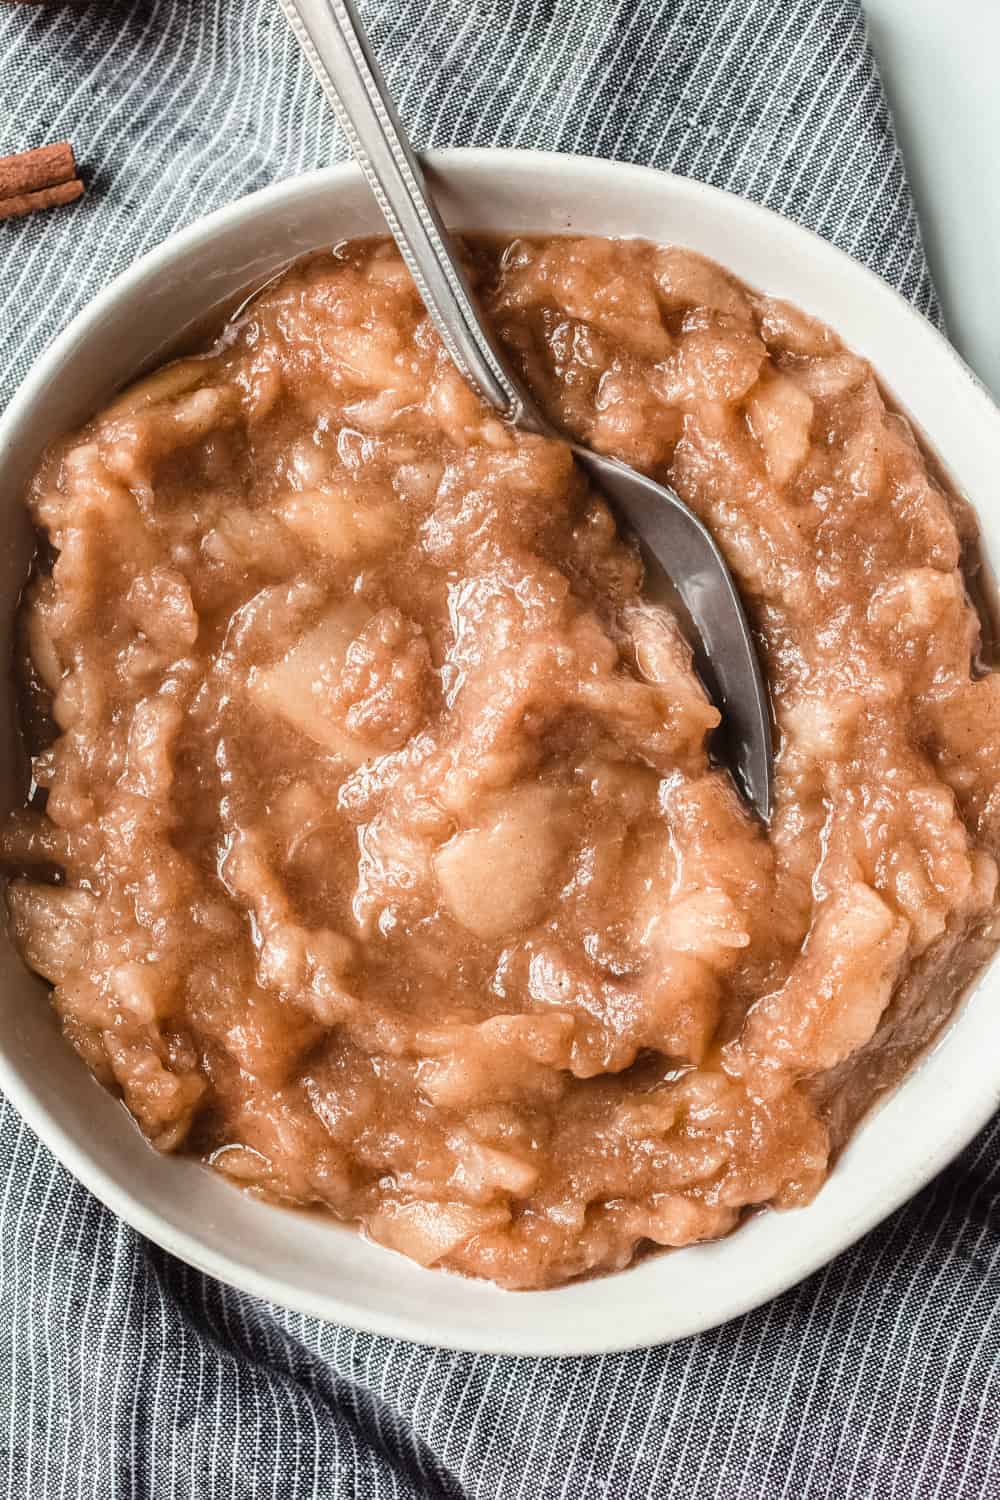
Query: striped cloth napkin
{"x": 125, "y": 1373}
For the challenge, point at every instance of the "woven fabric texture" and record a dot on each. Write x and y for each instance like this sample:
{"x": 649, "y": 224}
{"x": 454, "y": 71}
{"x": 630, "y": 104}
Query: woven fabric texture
{"x": 125, "y": 1373}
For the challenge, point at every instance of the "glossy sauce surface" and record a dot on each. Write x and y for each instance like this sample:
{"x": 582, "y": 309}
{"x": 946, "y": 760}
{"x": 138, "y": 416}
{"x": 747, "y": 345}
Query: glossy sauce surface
{"x": 383, "y": 863}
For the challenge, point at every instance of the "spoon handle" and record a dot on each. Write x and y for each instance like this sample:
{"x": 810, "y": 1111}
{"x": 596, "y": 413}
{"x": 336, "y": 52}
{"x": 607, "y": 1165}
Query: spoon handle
{"x": 334, "y": 42}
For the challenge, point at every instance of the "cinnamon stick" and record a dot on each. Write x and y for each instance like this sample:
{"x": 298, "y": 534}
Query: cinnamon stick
{"x": 37, "y": 179}
{"x": 51, "y": 197}
{"x": 33, "y": 171}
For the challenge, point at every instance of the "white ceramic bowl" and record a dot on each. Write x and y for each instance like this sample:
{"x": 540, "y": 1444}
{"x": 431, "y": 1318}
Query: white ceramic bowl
{"x": 299, "y": 1260}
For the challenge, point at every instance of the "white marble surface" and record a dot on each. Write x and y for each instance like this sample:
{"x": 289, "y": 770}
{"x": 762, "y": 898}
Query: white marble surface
{"x": 941, "y": 63}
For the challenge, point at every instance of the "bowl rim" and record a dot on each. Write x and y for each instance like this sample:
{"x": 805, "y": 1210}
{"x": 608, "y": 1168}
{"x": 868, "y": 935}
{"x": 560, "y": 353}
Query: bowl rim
{"x": 980, "y": 1098}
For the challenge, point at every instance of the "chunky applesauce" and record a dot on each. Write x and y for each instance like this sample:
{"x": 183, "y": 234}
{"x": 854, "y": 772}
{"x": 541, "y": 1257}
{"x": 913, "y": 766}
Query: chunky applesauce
{"x": 375, "y": 850}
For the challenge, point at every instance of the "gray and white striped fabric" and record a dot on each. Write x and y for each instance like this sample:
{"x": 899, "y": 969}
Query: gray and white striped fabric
{"x": 124, "y": 1373}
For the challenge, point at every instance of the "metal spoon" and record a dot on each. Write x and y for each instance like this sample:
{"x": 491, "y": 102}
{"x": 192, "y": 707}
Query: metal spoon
{"x": 335, "y": 44}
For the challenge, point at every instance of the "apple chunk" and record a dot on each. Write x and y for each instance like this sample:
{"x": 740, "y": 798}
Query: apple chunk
{"x": 359, "y": 683}
{"x": 343, "y": 524}
{"x": 780, "y": 413}
{"x": 502, "y": 874}
{"x": 300, "y": 688}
